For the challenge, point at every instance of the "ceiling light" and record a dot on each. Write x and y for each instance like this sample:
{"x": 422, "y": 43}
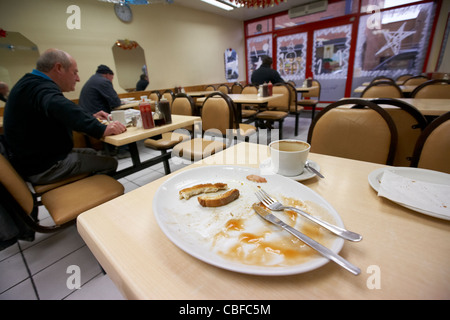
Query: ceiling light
{"x": 219, "y": 4}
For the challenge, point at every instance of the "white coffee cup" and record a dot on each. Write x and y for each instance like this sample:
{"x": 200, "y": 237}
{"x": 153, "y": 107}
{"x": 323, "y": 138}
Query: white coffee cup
{"x": 288, "y": 157}
{"x": 119, "y": 115}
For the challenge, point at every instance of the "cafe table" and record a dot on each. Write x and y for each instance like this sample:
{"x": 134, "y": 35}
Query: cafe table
{"x": 305, "y": 89}
{"x": 403, "y": 254}
{"x": 407, "y": 90}
{"x": 134, "y": 134}
{"x": 428, "y": 107}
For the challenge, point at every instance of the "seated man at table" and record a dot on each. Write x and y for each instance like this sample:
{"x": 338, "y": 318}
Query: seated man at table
{"x": 265, "y": 73}
{"x": 98, "y": 92}
{"x": 39, "y": 121}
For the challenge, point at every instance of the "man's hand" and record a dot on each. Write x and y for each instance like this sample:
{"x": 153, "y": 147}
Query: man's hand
{"x": 114, "y": 127}
{"x": 102, "y": 115}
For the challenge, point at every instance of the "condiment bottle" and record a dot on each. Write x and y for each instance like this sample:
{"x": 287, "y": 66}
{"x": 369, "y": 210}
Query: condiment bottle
{"x": 265, "y": 90}
{"x": 270, "y": 87}
{"x": 164, "y": 107}
{"x": 146, "y": 115}
{"x": 159, "y": 117}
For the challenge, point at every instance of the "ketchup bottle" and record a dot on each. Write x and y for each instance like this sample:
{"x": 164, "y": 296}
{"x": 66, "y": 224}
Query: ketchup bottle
{"x": 146, "y": 115}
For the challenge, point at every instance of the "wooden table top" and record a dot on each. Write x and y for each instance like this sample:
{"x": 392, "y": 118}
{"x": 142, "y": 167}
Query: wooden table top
{"x": 305, "y": 89}
{"x": 134, "y": 134}
{"x": 403, "y": 254}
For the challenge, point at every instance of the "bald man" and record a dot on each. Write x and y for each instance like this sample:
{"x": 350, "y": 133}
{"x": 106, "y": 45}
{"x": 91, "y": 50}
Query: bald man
{"x": 39, "y": 120}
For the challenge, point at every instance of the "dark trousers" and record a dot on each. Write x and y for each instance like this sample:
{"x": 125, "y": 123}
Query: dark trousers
{"x": 79, "y": 161}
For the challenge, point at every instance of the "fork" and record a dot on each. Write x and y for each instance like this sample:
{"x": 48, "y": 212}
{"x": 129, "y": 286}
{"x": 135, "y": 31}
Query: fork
{"x": 274, "y": 205}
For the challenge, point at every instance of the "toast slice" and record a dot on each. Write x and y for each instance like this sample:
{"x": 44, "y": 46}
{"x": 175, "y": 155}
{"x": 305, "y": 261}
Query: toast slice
{"x": 218, "y": 200}
{"x": 202, "y": 188}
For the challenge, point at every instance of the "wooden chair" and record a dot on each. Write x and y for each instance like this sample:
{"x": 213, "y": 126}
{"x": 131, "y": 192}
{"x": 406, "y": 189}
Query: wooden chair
{"x": 218, "y": 120}
{"x": 432, "y": 89}
{"x": 309, "y": 102}
{"x": 249, "y": 111}
{"x": 382, "y": 89}
{"x": 409, "y": 123}
{"x": 236, "y": 88}
{"x": 182, "y": 104}
{"x": 360, "y": 134}
{"x": 382, "y": 78}
{"x": 278, "y": 108}
{"x": 224, "y": 88}
{"x": 402, "y": 78}
{"x": 294, "y": 107}
{"x": 415, "y": 81}
{"x": 210, "y": 88}
{"x": 155, "y": 95}
{"x": 64, "y": 203}
{"x": 432, "y": 150}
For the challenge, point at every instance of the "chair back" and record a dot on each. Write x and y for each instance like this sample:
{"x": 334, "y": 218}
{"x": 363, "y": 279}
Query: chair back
{"x": 402, "y": 78}
{"x": 293, "y": 97}
{"x": 432, "y": 89}
{"x": 16, "y": 186}
{"x": 360, "y": 134}
{"x": 224, "y": 88}
{"x": 409, "y": 123}
{"x": 314, "y": 93}
{"x": 154, "y": 95}
{"x": 283, "y": 102}
{"x": 415, "y": 81}
{"x": 210, "y": 88}
{"x": 382, "y": 89}
{"x": 432, "y": 149}
{"x": 184, "y": 105}
{"x": 382, "y": 78}
{"x": 236, "y": 88}
{"x": 218, "y": 113}
{"x": 250, "y": 89}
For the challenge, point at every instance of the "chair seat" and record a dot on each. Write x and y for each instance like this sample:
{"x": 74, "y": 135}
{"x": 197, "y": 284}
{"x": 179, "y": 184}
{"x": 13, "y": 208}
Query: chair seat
{"x": 245, "y": 130}
{"x": 271, "y": 115}
{"x": 198, "y": 148}
{"x": 67, "y": 202}
{"x": 248, "y": 113}
{"x": 168, "y": 141}
{"x": 42, "y": 188}
{"x": 307, "y": 102}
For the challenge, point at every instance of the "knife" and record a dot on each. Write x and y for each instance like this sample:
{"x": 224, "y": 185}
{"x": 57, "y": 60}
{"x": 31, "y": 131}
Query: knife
{"x": 309, "y": 167}
{"x": 327, "y": 253}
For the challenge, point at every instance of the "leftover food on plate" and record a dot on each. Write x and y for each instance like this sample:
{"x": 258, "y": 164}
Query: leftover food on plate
{"x": 218, "y": 200}
{"x": 202, "y": 188}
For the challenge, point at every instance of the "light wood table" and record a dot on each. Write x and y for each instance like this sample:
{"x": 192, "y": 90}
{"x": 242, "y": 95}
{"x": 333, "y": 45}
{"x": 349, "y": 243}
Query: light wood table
{"x": 428, "y": 107}
{"x": 134, "y": 134}
{"x": 407, "y": 90}
{"x": 305, "y": 89}
{"x": 403, "y": 254}
{"x": 197, "y": 94}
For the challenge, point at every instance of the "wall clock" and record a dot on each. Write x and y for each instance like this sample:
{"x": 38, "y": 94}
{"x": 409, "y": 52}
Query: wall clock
{"x": 123, "y": 12}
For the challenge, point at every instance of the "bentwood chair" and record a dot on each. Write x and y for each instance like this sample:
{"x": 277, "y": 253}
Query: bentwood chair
{"x": 415, "y": 81}
{"x": 432, "y": 89}
{"x": 409, "y": 122}
{"x": 312, "y": 97}
{"x": 382, "y": 89}
{"x": 278, "y": 109}
{"x": 169, "y": 96}
{"x": 432, "y": 150}
{"x": 218, "y": 122}
{"x": 64, "y": 203}
{"x": 182, "y": 104}
{"x": 155, "y": 95}
{"x": 382, "y": 78}
{"x": 210, "y": 88}
{"x": 402, "y": 78}
{"x": 360, "y": 134}
{"x": 223, "y": 88}
{"x": 236, "y": 88}
{"x": 249, "y": 111}
{"x": 294, "y": 107}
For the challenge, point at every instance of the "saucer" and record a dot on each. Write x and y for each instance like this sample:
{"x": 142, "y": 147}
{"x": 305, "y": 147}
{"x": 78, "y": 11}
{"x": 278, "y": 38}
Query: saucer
{"x": 306, "y": 174}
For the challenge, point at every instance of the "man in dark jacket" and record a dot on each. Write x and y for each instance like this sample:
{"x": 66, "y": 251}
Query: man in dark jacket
{"x": 265, "y": 73}
{"x": 39, "y": 120}
{"x": 98, "y": 93}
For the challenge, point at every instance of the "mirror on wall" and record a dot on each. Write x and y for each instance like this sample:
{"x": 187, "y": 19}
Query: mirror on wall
{"x": 18, "y": 56}
{"x": 130, "y": 63}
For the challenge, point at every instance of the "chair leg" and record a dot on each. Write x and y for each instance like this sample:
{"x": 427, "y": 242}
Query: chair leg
{"x": 297, "y": 115}
{"x": 280, "y": 129}
{"x": 313, "y": 111}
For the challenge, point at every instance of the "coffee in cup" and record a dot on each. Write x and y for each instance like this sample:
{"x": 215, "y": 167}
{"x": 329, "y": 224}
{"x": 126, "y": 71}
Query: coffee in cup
{"x": 288, "y": 157}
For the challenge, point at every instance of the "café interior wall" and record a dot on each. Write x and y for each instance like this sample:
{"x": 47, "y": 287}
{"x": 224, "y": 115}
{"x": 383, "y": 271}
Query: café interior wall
{"x": 182, "y": 46}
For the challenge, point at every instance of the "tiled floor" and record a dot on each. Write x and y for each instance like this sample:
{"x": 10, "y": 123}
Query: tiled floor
{"x": 42, "y": 269}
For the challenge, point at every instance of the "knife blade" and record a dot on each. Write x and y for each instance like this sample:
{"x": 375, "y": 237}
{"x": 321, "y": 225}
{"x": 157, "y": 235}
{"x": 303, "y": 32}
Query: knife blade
{"x": 327, "y": 253}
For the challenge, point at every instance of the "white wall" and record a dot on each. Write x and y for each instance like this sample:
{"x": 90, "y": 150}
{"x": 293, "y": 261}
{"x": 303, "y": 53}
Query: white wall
{"x": 182, "y": 46}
